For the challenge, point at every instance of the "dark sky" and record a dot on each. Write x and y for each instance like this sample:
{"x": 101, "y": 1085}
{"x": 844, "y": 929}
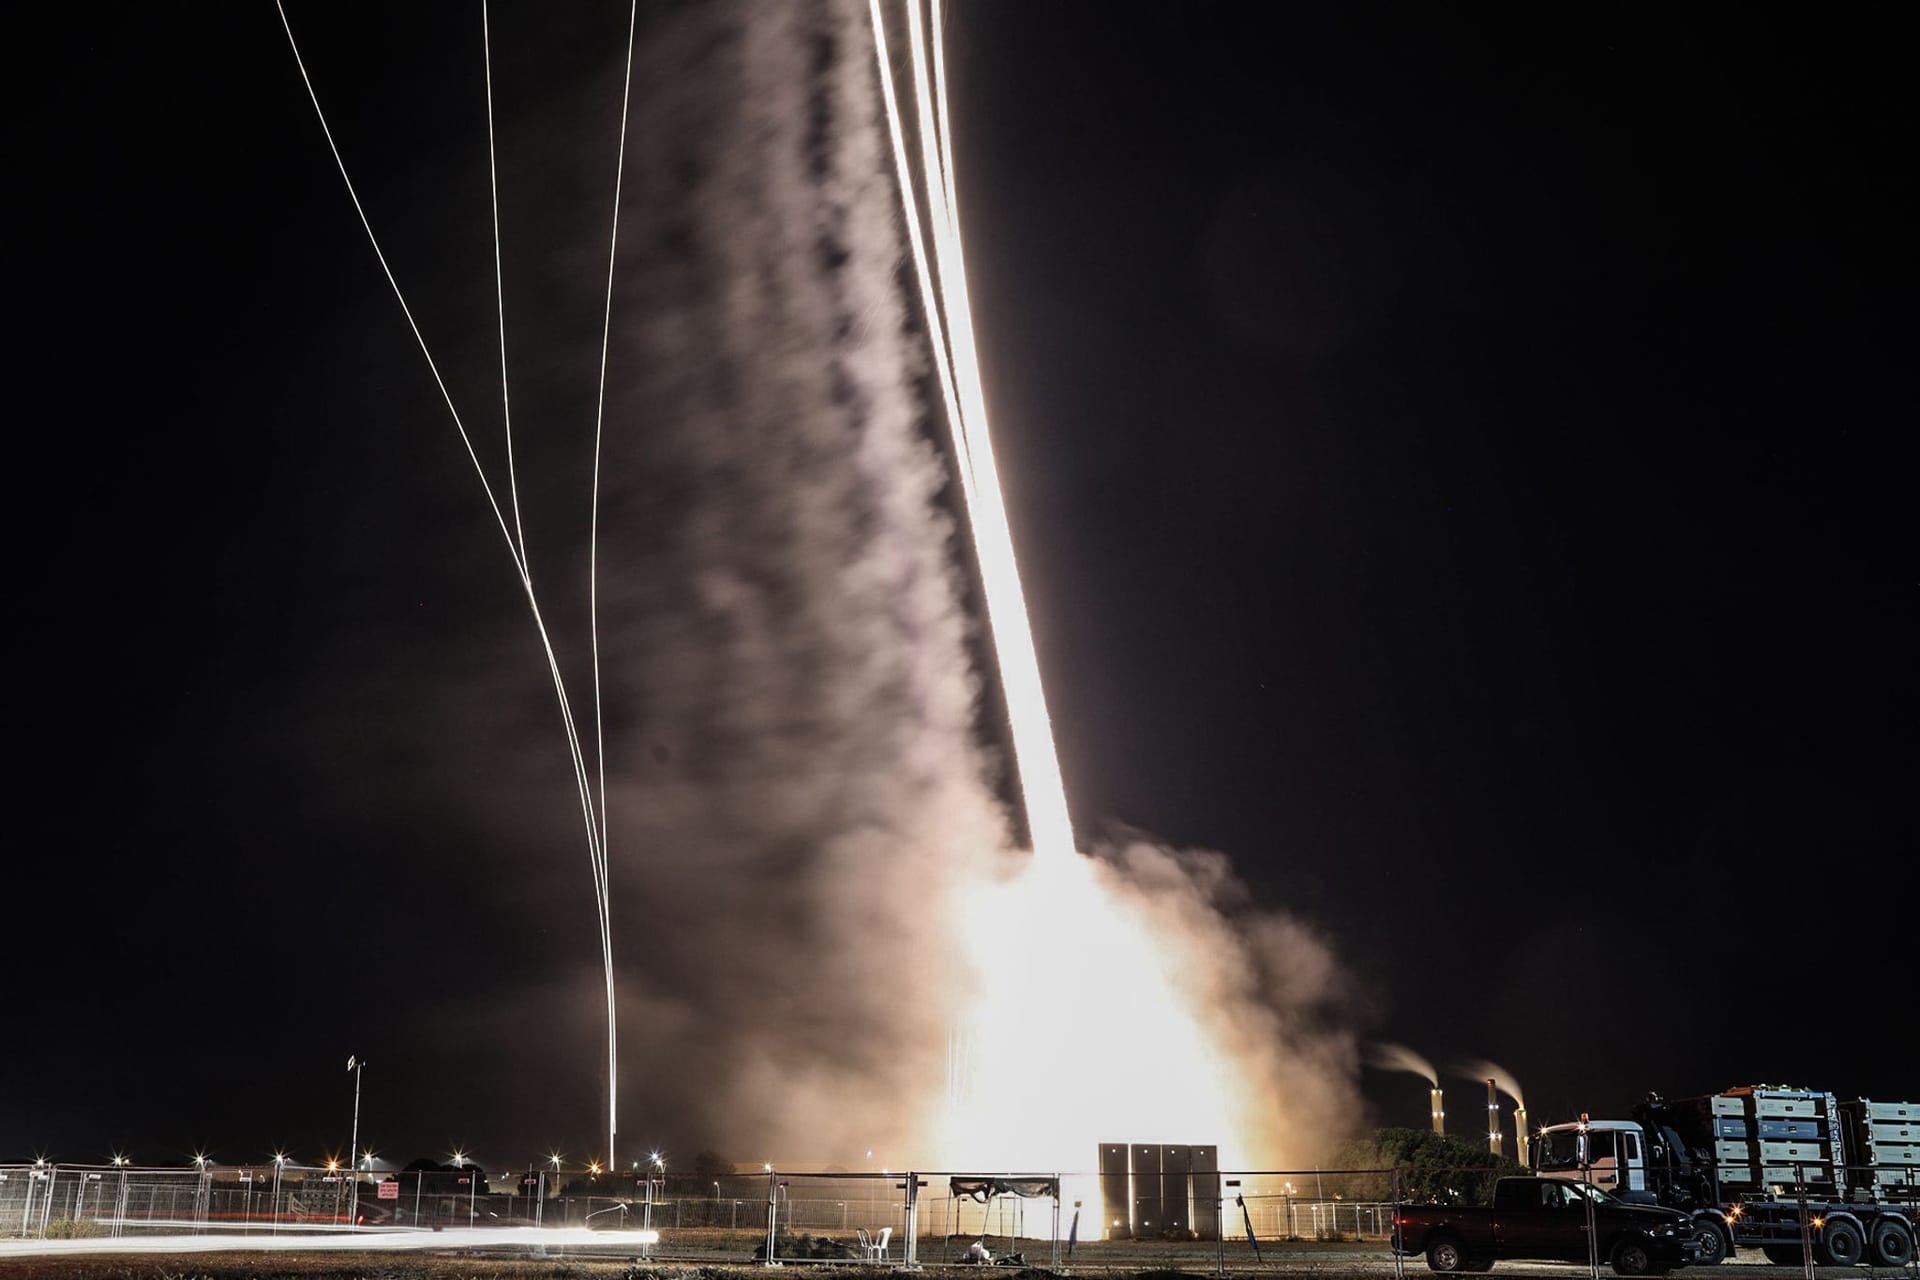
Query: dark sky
{"x": 1454, "y": 456}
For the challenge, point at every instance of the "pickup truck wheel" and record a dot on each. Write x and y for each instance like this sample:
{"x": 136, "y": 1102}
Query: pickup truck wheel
{"x": 1844, "y": 1247}
{"x": 1631, "y": 1257}
{"x": 1444, "y": 1255}
{"x": 1713, "y": 1244}
{"x": 1892, "y": 1244}
{"x": 1782, "y": 1255}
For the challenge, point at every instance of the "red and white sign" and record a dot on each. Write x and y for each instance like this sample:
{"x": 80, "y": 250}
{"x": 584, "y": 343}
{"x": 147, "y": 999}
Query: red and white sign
{"x": 388, "y": 1191}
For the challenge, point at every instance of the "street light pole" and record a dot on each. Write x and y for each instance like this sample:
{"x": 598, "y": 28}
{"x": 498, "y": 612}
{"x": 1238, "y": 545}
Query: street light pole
{"x": 353, "y": 1147}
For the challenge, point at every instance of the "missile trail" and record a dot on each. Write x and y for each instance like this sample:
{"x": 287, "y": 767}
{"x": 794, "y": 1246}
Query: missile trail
{"x": 1036, "y": 760}
{"x": 592, "y": 810}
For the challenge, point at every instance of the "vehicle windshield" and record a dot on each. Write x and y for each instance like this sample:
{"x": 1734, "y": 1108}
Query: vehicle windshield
{"x": 1575, "y": 1190}
{"x": 1557, "y": 1149}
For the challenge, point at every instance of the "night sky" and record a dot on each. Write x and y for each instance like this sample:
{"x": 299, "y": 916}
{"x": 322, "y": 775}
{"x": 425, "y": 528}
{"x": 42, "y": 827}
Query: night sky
{"x": 1454, "y": 455}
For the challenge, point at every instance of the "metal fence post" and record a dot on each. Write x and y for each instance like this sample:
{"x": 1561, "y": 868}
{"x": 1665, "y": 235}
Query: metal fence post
{"x": 1399, "y": 1262}
{"x": 911, "y": 1253}
{"x": 773, "y": 1210}
{"x": 1806, "y": 1227}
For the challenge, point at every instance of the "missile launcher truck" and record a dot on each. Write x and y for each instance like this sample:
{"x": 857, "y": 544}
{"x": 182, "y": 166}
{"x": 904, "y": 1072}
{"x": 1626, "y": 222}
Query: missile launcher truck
{"x": 1778, "y": 1169}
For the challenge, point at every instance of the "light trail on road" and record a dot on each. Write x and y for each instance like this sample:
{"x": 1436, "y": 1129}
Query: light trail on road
{"x": 362, "y": 1241}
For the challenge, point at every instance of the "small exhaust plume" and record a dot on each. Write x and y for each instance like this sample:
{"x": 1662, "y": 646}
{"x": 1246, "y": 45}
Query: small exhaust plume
{"x": 1498, "y": 1077}
{"x": 1502, "y": 1079}
{"x": 1397, "y": 1057}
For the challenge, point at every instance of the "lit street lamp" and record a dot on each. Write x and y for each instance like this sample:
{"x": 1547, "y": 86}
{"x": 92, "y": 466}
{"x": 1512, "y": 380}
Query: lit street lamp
{"x": 473, "y": 1187}
{"x": 279, "y": 1167}
{"x": 354, "y": 1064}
{"x": 659, "y": 1166}
{"x": 203, "y": 1190}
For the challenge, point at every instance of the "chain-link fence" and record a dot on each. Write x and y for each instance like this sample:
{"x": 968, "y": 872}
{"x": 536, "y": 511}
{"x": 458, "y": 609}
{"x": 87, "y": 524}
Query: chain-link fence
{"x": 1222, "y": 1219}
{"x": 66, "y": 1201}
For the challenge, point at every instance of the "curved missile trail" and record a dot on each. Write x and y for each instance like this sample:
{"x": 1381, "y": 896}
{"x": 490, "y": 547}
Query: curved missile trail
{"x": 922, "y": 272}
{"x": 593, "y": 573}
{"x": 500, "y": 288}
{"x": 950, "y": 313}
{"x": 592, "y": 808}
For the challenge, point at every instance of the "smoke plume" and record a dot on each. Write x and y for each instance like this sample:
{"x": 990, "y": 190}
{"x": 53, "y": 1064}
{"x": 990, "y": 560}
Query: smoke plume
{"x": 1397, "y": 1057}
{"x": 828, "y": 943}
{"x": 1481, "y": 1069}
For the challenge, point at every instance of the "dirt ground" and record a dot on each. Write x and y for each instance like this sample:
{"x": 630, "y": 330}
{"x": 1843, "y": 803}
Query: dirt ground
{"x": 1194, "y": 1261}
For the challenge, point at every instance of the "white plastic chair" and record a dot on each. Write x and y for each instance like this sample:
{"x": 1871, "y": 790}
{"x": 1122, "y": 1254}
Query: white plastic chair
{"x": 866, "y": 1243}
{"x": 876, "y": 1247}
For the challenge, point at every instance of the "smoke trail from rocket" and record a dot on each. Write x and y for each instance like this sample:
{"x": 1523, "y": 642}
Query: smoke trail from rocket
{"x": 949, "y": 315}
{"x": 837, "y": 946}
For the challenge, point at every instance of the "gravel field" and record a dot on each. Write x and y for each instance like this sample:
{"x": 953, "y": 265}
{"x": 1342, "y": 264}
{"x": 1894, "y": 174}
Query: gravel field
{"x": 1180, "y": 1262}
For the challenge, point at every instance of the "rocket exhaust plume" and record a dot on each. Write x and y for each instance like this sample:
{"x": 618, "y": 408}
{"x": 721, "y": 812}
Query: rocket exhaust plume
{"x": 846, "y": 950}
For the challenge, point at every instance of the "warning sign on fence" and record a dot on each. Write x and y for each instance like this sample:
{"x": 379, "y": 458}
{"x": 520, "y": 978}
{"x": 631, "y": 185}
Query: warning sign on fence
{"x": 389, "y": 1191}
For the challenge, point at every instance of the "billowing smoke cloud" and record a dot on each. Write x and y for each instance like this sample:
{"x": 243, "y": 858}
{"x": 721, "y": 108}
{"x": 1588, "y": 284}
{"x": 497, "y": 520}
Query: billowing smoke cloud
{"x": 1397, "y": 1057}
{"x": 1481, "y": 1069}
{"x": 815, "y": 891}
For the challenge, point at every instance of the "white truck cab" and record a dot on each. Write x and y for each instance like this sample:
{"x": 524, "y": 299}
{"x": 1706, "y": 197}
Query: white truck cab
{"x": 1611, "y": 1154}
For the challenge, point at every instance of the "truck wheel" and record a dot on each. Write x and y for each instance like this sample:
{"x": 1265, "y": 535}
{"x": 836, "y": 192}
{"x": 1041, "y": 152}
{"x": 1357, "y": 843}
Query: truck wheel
{"x": 1631, "y": 1257}
{"x": 1844, "y": 1247}
{"x": 1713, "y": 1244}
{"x": 1444, "y": 1255}
{"x": 1782, "y": 1255}
{"x": 1892, "y": 1244}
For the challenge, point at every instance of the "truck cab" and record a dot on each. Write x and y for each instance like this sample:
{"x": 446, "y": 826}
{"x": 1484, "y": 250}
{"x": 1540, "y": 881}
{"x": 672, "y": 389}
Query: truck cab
{"x": 1611, "y": 1154}
{"x": 1730, "y": 1198}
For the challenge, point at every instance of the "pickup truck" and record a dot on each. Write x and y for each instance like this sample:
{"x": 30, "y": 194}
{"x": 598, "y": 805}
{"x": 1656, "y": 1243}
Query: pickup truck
{"x": 1546, "y": 1218}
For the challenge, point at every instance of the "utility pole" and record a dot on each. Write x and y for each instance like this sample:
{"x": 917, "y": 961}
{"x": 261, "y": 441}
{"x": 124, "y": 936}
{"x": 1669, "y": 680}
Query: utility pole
{"x": 354, "y": 1064}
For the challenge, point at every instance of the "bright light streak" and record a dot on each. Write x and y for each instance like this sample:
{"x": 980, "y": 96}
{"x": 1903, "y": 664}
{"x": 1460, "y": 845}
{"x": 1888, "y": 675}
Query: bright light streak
{"x": 366, "y": 1239}
{"x": 592, "y": 808}
{"x": 1156, "y": 955}
{"x": 1042, "y": 791}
